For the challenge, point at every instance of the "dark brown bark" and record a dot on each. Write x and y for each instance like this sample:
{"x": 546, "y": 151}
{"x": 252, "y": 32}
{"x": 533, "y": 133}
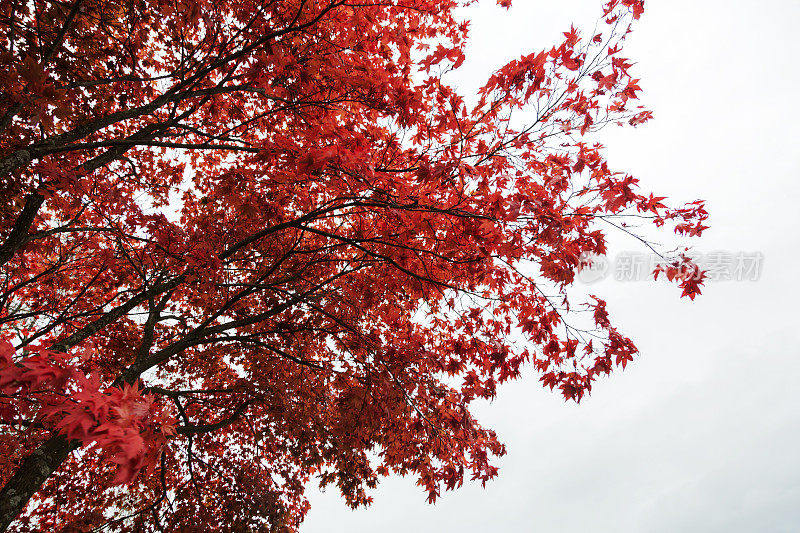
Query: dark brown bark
{"x": 30, "y": 476}
{"x": 19, "y": 232}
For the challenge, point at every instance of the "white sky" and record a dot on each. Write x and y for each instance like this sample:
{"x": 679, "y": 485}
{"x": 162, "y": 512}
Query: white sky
{"x": 702, "y": 431}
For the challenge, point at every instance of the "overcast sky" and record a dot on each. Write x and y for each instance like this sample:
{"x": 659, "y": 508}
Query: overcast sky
{"x": 702, "y": 431}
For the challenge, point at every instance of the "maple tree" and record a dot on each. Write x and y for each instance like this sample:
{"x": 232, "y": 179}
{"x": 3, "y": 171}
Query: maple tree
{"x": 248, "y": 244}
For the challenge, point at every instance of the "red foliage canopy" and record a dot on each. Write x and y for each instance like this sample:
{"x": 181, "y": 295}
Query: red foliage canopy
{"x": 250, "y": 243}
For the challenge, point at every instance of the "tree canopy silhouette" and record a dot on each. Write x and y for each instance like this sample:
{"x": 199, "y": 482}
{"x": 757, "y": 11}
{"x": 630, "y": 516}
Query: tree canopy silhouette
{"x": 246, "y": 244}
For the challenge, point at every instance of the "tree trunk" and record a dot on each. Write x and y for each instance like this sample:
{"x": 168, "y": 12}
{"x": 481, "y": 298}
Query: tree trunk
{"x": 19, "y": 231}
{"x": 30, "y": 476}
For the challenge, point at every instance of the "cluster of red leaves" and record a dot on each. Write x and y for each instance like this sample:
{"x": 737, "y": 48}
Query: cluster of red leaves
{"x": 45, "y": 389}
{"x": 685, "y": 272}
{"x": 335, "y": 267}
